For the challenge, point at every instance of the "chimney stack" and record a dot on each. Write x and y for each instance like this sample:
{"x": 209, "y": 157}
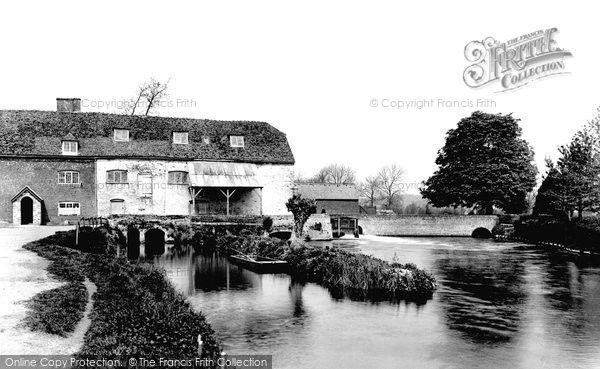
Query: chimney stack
{"x": 68, "y": 105}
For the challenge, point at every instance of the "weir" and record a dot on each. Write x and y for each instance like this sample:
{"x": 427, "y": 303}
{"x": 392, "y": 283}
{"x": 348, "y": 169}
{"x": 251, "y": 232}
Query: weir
{"x": 425, "y": 225}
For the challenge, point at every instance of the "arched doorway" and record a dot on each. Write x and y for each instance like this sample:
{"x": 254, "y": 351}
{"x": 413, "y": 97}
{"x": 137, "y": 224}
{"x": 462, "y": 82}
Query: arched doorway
{"x": 26, "y": 210}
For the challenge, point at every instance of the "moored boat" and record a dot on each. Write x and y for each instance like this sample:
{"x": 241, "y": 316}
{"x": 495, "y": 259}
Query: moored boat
{"x": 259, "y": 264}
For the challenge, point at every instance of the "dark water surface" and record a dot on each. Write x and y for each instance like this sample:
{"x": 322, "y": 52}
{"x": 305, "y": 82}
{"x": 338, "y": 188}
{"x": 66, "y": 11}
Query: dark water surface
{"x": 499, "y": 305}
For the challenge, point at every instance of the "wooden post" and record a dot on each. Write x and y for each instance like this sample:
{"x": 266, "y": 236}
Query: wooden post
{"x": 194, "y": 194}
{"x": 228, "y": 194}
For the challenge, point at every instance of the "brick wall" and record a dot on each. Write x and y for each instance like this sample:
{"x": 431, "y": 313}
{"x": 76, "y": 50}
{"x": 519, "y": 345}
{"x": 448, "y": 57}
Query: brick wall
{"x": 41, "y": 175}
{"x": 425, "y": 225}
{"x": 338, "y": 206}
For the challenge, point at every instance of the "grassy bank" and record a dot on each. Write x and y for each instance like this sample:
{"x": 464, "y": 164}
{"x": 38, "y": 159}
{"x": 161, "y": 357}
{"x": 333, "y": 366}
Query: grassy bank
{"x": 582, "y": 235}
{"x": 136, "y": 313}
{"x": 58, "y": 311}
{"x": 342, "y": 272}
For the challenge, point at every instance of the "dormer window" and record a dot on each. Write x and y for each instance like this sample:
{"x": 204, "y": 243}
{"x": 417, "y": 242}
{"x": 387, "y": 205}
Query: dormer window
{"x": 180, "y": 138}
{"x": 206, "y": 140}
{"x": 70, "y": 147}
{"x": 236, "y": 141}
{"x": 121, "y": 135}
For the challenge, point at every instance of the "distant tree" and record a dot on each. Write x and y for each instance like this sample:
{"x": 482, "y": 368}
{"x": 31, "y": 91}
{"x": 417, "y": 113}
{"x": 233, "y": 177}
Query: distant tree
{"x": 147, "y": 98}
{"x": 390, "y": 183}
{"x": 369, "y": 188}
{"x": 413, "y": 208}
{"x": 337, "y": 174}
{"x": 484, "y": 163}
{"x": 301, "y": 209}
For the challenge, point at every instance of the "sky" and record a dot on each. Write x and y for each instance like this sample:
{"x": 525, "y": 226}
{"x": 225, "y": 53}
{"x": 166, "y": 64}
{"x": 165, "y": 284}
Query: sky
{"x": 312, "y": 69}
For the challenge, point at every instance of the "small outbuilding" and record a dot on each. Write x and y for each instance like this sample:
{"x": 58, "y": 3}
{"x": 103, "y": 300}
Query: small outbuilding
{"x": 331, "y": 198}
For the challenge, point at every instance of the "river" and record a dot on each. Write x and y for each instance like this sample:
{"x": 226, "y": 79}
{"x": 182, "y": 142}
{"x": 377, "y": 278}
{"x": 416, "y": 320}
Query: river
{"x": 498, "y": 305}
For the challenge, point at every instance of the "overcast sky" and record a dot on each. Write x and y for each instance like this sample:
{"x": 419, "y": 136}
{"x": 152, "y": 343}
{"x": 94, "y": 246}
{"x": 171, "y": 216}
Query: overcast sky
{"x": 309, "y": 68}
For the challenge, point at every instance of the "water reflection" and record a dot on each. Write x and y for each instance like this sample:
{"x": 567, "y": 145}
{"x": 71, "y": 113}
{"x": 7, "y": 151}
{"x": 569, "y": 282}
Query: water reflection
{"x": 505, "y": 305}
{"x": 483, "y": 297}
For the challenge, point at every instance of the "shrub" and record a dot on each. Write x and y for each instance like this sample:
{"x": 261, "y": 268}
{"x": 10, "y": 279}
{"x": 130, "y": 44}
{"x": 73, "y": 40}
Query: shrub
{"x": 267, "y": 224}
{"x": 576, "y": 234}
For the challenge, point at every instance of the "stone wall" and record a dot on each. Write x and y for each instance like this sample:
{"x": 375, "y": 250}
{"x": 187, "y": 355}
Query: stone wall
{"x": 41, "y": 175}
{"x": 425, "y": 225}
{"x": 278, "y": 183}
{"x": 318, "y": 227}
{"x": 169, "y": 199}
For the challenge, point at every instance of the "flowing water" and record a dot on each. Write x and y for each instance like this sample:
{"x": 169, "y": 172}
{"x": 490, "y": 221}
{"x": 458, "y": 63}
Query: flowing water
{"x": 498, "y": 305}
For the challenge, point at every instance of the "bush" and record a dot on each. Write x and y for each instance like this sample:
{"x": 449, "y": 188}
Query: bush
{"x": 267, "y": 224}
{"x": 583, "y": 235}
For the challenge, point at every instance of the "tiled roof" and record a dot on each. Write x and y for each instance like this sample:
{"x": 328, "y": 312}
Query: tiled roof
{"x": 39, "y": 133}
{"x": 323, "y": 191}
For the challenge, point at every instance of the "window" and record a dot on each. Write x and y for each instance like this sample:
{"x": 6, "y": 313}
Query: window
{"x": 68, "y": 177}
{"x": 236, "y": 141}
{"x": 116, "y": 176}
{"x": 180, "y": 138}
{"x": 178, "y": 177}
{"x": 121, "y": 135}
{"x": 117, "y": 206}
{"x": 145, "y": 184}
{"x": 70, "y": 147}
{"x": 68, "y": 208}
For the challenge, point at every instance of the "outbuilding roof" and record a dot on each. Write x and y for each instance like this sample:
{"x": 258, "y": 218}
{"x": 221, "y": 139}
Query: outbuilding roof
{"x": 325, "y": 191}
{"x": 39, "y": 133}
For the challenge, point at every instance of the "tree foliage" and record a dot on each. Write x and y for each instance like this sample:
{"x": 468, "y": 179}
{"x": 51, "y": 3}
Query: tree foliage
{"x": 337, "y": 174}
{"x": 573, "y": 183}
{"x": 301, "y": 209}
{"x": 484, "y": 163}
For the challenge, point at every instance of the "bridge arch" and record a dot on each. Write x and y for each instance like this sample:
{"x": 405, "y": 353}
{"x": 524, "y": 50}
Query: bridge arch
{"x": 481, "y": 232}
{"x": 154, "y": 240}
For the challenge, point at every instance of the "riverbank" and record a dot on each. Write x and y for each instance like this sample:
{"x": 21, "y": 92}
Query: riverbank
{"x": 353, "y": 275}
{"x": 575, "y": 236}
{"x": 136, "y": 311}
{"x": 22, "y": 275}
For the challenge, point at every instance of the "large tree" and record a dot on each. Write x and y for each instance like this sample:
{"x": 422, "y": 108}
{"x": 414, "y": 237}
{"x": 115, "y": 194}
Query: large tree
{"x": 370, "y": 189}
{"x": 484, "y": 163}
{"x": 390, "y": 183}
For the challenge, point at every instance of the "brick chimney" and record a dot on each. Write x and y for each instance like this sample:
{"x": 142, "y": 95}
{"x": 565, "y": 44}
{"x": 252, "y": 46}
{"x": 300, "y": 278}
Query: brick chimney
{"x": 68, "y": 105}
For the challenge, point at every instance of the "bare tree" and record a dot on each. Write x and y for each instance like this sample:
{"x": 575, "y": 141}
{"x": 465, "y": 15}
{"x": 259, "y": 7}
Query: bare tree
{"x": 147, "y": 97}
{"x": 370, "y": 189}
{"x": 390, "y": 182}
{"x": 337, "y": 174}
